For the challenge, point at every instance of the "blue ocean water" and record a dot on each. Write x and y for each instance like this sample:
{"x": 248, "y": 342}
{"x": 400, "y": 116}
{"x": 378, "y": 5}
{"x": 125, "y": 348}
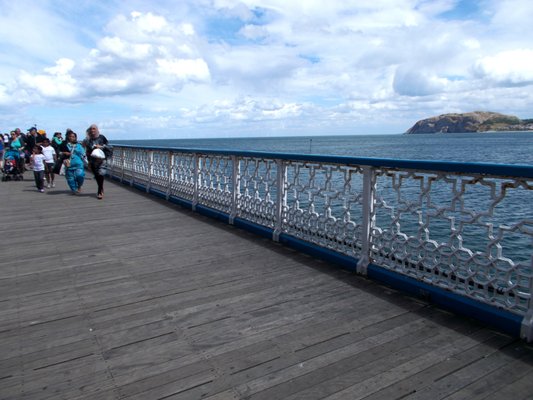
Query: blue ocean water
{"x": 497, "y": 147}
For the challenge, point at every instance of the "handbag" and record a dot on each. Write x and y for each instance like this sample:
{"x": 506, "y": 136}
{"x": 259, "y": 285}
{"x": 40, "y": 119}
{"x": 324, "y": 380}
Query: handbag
{"x": 66, "y": 161}
{"x": 98, "y": 153}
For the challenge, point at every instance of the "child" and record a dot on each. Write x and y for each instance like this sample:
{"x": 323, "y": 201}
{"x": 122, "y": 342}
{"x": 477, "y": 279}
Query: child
{"x": 50, "y": 158}
{"x": 37, "y": 161}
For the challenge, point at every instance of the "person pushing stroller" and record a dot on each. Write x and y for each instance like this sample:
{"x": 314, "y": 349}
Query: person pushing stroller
{"x": 13, "y": 168}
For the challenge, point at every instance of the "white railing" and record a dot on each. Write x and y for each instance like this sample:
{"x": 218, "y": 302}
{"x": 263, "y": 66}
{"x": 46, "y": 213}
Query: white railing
{"x": 462, "y": 227}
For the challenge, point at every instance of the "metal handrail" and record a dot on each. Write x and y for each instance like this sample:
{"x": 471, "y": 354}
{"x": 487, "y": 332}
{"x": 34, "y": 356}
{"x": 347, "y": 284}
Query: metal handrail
{"x": 454, "y": 226}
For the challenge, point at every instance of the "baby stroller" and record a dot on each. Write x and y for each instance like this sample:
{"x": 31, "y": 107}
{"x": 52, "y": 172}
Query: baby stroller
{"x": 13, "y": 166}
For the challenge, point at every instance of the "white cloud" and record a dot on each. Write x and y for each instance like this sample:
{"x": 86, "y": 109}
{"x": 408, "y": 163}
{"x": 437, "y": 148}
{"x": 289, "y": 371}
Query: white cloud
{"x": 255, "y": 66}
{"x": 29, "y": 31}
{"x": 149, "y": 22}
{"x": 105, "y": 85}
{"x": 411, "y": 81}
{"x": 512, "y": 67}
{"x": 138, "y": 26}
{"x": 142, "y": 53}
{"x": 55, "y": 83}
{"x": 270, "y": 62}
{"x": 186, "y": 69}
{"x": 4, "y": 96}
{"x": 63, "y": 67}
{"x": 124, "y": 50}
{"x": 244, "y": 109}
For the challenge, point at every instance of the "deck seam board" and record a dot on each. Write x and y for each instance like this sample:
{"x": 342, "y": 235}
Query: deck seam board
{"x": 316, "y": 362}
{"x": 416, "y": 365}
{"x": 369, "y": 368}
{"x": 495, "y": 380}
{"x": 485, "y": 364}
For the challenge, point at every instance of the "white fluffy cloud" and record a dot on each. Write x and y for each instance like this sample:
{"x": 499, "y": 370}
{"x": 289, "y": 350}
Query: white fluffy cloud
{"x": 410, "y": 80}
{"x": 186, "y": 69}
{"x": 245, "y": 109}
{"x": 140, "y": 54}
{"x": 234, "y": 62}
{"x": 512, "y": 67}
{"x": 55, "y": 83}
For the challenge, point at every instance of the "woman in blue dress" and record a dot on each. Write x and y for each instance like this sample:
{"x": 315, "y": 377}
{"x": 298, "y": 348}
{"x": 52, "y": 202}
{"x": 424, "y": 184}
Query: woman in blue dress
{"x": 73, "y": 154}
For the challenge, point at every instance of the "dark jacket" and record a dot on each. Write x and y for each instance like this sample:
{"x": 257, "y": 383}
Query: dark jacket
{"x": 30, "y": 143}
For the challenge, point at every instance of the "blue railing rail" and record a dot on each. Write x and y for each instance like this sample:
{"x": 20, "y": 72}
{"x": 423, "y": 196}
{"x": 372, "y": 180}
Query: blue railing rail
{"x": 457, "y": 233}
{"x": 515, "y": 170}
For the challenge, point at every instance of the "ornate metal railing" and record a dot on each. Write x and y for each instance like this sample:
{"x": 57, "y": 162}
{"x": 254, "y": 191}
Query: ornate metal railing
{"x": 464, "y": 228}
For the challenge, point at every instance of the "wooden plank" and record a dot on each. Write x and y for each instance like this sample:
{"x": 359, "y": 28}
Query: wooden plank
{"x": 399, "y": 371}
{"x": 334, "y": 363}
{"x": 520, "y": 389}
{"x": 243, "y": 354}
{"x": 457, "y": 378}
{"x": 147, "y": 300}
{"x": 497, "y": 380}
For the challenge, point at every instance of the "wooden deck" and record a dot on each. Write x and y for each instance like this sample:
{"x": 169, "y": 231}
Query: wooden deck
{"x": 135, "y": 298}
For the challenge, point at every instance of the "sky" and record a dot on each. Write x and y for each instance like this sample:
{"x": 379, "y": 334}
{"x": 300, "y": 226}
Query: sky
{"x": 228, "y": 68}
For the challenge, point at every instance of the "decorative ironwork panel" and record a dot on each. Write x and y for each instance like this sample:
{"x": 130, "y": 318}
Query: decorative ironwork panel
{"x": 159, "y": 170}
{"x": 257, "y": 190}
{"x": 324, "y": 205}
{"x": 141, "y": 166}
{"x": 128, "y": 162}
{"x": 471, "y": 234}
{"x": 182, "y": 176}
{"x": 115, "y": 163}
{"x": 215, "y": 182}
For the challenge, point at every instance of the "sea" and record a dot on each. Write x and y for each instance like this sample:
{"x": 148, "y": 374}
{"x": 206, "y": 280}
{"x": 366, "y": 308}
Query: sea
{"x": 488, "y": 147}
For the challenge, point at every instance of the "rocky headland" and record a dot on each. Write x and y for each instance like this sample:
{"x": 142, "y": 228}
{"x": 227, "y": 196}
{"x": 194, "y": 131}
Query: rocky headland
{"x": 477, "y": 121}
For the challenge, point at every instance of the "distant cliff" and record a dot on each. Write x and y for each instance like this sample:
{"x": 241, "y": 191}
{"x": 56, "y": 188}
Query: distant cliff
{"x": 477, "y": 121}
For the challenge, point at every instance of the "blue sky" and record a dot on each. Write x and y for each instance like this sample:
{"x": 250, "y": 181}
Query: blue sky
{"x": 224, "y": 68}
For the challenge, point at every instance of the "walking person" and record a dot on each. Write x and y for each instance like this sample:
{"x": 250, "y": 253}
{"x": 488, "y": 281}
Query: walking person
{"x": 92, "y": 142}
{"x": 50, "y": 159}
{"x": 30, "y": 141}
{"x": 56, "y": 141}
{"x": 2, "y": 151}
{"x": 37, "y": 163}
{"x": 73, "y": 154}
{"x": 56, "y": 144}
{"x": 17, "y": 144}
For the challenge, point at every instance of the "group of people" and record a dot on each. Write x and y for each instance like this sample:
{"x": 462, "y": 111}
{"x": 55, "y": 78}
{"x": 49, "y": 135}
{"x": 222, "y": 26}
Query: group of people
{"x": 48, "y": 158}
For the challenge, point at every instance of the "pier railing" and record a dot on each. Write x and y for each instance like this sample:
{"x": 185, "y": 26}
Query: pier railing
{"x": 460, "y": 234}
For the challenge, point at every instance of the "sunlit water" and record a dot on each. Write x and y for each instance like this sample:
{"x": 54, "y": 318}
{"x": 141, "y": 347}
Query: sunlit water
{"x": 501, "y": 148}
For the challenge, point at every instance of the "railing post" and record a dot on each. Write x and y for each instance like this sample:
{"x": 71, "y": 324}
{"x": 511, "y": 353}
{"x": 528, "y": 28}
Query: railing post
{"x": 110, "y": 166}
{"x": 526, "y": 330}
{"x": 132, "y": 168}
{"x": 197, "y": 177}
{"x": 281, "y": 198}
{"x": 368, "y": 219}
{"x": 123, "y": 162}
{"x": 150, "y": 170}
{"x": 170, "y": 168}
{"x": 236, "y": 187}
